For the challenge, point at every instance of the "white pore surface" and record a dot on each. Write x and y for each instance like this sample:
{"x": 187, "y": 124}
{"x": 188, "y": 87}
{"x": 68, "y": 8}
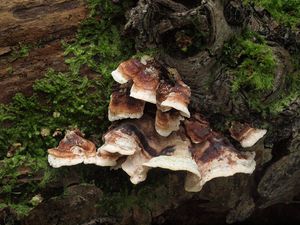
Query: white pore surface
{"x": 220, "y": 167}
{"x": 105, "y": 161}
{"x": 90, "y": 160}
{"x": 57, "y": 162}
{"x": 177, "y": 105}
{"x": 143, "y": 94}
{"x": 122, "y": 115}
{"x": 253, "y": 137}
{"x": 172, "y": 125}
{"x": 127, "y": 149}
{"x": 119, "y": 76}
{"x": 174, "y": 163}
{"x": 133, "y": 166}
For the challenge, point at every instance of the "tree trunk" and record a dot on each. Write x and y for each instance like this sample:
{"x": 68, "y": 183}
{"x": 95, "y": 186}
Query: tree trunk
{"x": 154, "y": 24}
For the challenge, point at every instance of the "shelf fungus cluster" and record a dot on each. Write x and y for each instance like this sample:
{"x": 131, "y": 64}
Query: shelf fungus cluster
{"x": 152, "y": 127}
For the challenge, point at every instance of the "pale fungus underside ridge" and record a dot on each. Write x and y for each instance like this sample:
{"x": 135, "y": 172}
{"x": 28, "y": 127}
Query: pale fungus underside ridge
{"x": 169, "y": 137}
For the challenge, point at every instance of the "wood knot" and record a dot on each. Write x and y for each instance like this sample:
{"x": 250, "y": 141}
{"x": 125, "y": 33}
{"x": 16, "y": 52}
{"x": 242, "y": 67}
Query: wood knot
{"x": 235, "y": 13}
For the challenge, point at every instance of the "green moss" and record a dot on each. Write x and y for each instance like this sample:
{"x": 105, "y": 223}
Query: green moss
{"x": 60, "y": 101}
{"x": 152, "y": 52}
{"x": 287, "y": 95}
{"x": 284, "y": 11}
{"x": 20, "y": 209}
{"x": 253, "y": 65}
{"x": 57, "y": 104}
{"x": 99, "y": 44}
{"x": 256, "y": 72}
{"x": 21, "y": 51}
{"x": 17, "y": 181}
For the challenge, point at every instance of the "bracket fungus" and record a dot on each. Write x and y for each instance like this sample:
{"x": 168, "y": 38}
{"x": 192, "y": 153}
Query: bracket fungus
{"x": 73, "y": 149}
{"x": 145, "y": 79}
{"x": 138, "y": 141}
{"x": 145, "y": 84}
{"x": 170, "y": 152}
{"x": 216, "y": 157}
{"x": 121, "y": 140}
{"x": 122, "y": 106}
{"x": 175, "y": 96}
{"x": 178, "y": 98}
{"x": 105, "y": 158}
{"x": 245, "y": 134}
{"x": 167, "y": 122}
{"x": 126, "y": 70}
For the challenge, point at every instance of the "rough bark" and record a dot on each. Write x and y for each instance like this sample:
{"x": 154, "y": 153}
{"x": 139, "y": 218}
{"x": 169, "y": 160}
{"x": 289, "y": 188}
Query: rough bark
{"x": 42, "y": 25}
{"x": 276, "y": 179}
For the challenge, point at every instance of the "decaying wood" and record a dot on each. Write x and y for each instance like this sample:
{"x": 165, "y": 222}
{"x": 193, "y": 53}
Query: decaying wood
{"x": 33, "y": 21}
{"x": 41, "y": 25}
{"x": 19, "y": 75}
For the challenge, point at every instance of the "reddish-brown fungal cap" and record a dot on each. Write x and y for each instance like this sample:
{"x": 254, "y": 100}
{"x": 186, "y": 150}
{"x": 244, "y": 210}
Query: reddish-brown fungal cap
{"x": 167, "y": 122}
{"x": 238, "y": 130}
{"x": 127, "y": 70}
{"x": 73, "y": 149}
{"x": 120, "y": 140}
{"x": 216, "y": 157}
{"x": 246, "y": 134}
{"x": 177, "y": 97}
{"x": 132, "y": 67}
{"x": 197, "y": 129}
{"x": 145, "y": 79}
{"x": 163, "y": 90}
{"x": 145, "y": 84}
{"x": 122, "y": 106}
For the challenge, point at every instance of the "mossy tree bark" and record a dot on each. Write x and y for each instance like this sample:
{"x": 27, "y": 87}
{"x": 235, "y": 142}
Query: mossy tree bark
{"x": 170, "y": 26}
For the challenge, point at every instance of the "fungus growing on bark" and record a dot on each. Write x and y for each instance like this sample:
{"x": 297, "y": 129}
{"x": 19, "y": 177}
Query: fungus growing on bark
{"x": 163, "y": 90}
{"x": 216, "y": 157}
{"x": 122, "y": 106}
{"x": 122, "y": 140}
{"x": 145, "y": 84}
{"x": 198, "y": 129}
{"x": 72, "y": 149}
{"x": 167, "y": 122}
{"x": 104, "y": 158}
{"x": 175, "y": 96}
{"x": 245, "y": 134}
{"x": 179, "y": 159}
{"x": 145, "y": 79}
{"x": 127, "y": 70}
{"x": 170, "y": 152}
{"x": 133, "y": 166}
{"x": 141, "y": 141}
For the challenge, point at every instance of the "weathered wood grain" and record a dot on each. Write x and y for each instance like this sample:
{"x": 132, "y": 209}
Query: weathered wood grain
{"x": 42, "y": 24}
